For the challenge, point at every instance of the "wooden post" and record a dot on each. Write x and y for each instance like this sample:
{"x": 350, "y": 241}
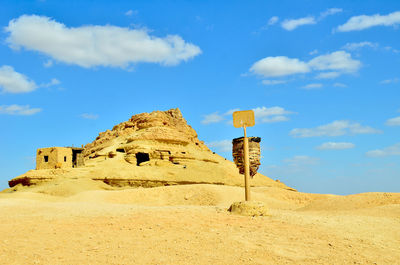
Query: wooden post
{"x": 245, "y": 119}
{"x": 246, "y": 165}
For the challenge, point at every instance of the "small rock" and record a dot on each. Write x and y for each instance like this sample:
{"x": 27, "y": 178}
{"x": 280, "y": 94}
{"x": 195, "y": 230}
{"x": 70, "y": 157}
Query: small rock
{"x": 249, "y": 208}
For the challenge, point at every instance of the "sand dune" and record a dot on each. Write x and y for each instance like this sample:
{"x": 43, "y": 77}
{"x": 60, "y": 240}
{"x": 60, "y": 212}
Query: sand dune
{"x": 93, "y": 223}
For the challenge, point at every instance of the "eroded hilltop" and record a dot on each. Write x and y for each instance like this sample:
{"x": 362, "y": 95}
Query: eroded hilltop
{"x": 148, "y": 150}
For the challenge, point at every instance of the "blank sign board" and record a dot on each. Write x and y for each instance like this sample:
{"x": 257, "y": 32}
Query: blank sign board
{"x": 243, "y": 118}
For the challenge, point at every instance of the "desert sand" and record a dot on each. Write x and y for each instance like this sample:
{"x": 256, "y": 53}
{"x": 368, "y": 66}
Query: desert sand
{"x": 173, "y": 208}
{"x": 88, "y": 222}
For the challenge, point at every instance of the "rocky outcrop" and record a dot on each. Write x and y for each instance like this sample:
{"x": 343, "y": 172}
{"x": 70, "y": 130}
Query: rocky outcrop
{"x": 150, "y": 149}
{"x": 254, "y": 154}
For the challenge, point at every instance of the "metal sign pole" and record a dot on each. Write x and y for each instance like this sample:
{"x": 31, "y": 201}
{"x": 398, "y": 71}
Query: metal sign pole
{"x": 246, "y": 165}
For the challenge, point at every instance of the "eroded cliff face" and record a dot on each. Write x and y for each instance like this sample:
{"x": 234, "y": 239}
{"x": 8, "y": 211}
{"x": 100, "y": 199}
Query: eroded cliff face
{"x": 160, "y": 135}
{"x": 150, "y": 149}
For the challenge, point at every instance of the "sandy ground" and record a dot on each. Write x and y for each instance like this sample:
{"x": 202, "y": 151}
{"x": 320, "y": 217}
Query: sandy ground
{"x": 191, "y": 225}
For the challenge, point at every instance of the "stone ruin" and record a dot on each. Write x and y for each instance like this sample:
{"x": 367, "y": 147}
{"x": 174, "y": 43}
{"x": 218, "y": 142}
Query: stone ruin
{"x": 254, "y": 154}
{"x": 59, "y": 157}
{"x": 148, "y": 150}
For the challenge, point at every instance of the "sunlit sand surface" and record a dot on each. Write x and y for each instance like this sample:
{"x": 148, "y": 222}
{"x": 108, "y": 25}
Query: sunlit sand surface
{"x": 92, "y": 223}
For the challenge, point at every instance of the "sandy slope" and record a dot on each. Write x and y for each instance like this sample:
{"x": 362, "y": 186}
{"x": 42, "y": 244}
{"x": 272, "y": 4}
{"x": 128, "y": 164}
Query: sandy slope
{"x": 190, "y": 225}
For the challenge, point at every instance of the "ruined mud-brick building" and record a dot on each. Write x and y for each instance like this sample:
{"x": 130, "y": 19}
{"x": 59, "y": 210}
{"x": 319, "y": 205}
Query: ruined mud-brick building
{"x": 59, "y": 157}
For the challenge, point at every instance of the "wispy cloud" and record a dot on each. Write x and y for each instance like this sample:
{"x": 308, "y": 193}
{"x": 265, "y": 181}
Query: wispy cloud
{"x": 339, "y": 85}
{"x": 393, "y": 121}
{"x": 330, "y": 12}
{"x": 335, "y": 128}
{"x": 312, "y": 86}
{"x": 131, "y": 12}
{"x": 351, "y": 46}
{"x": 364, "y": 22}
{"x": 291, "y": 24}
{"x": 48, "y": 63}
{"x": 273, "y": 82}
{"x": 53, "y": 82}
{"x": 14, "y": 82}
{"x": 328, "y": 75}
{"x": 222, "y": 146}
{"x": 261, "y": 114}
{"x": 390, "y": 81}
{"x": 212, "y": 118}
{"x": 273, "y": 20}
{"x": 23, "y": 110}
{"x": 91, "y": 46}
{"x": 271, "y": 115}
{"x": 391, "y": 49}
{"x": 301, "y": 160}
{"x": 387, "y": 151}
{"x": 335, "y": 146}
{"x": 89, "y": 116}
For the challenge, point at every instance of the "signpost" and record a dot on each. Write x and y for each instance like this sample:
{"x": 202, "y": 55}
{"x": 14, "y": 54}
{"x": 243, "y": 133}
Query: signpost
{"x": 245, "y": 119}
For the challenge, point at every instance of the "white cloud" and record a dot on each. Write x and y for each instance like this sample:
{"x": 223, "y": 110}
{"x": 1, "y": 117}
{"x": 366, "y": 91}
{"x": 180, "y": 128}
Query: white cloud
{"x": 291, "y": 24}
{"x": 279, "y": 66}
{"x": 329, "y": 12}
{"x": 393, "y": 121}
{"x": 270, "y": 115}
{"x": 335, "y": 146}
{"x": 387, "y": 151}
{"x": 313, "y": 52}
{"x": 338, "y": 61}
{"x": 14, "y": 82}
{"x": 273, "y": 82}
{"x": 312, "y": 86}
{"x": 212, "y": 118}
{"x": 53, "y": 82}
{"x": 301, "y": 160}
{"x": 335, "y": 128}
{"x": 223, "y": 146}
{"x": 48, "y": 63}
{"x": 388, "y": 48}
{"x": 390, "y": 81}
{"x": 89, "y": 116}
{"x": 230, "y": 112}
{"x": 358, "y": 45}
{"x": 335, "y": 63}
{"x": 131, "y": 12}
{"x": 273, "y": 20}
{"x": 364, "y": 22}
{"x": 328, "y": 75}
{"x": 261, "y": 114}
{"x": 339, "y": 85}
{"x": 25, "y": 110}
{"x": 90, "y": 46}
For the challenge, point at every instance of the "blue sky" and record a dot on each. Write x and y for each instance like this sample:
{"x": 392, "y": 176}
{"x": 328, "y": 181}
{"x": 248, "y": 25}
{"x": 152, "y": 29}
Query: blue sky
{"x": 322, "y": 77}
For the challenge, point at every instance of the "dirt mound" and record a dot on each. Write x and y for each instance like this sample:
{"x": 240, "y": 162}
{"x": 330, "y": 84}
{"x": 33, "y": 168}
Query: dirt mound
{"x": 353, "y": 202}
{"x": 63, "y": 187}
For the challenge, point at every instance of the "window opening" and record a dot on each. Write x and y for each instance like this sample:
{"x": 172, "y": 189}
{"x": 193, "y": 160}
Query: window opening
{"x": 46, "y": 159}
{"x": 142, "y": 157}
{"x": 65, "y": 159}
